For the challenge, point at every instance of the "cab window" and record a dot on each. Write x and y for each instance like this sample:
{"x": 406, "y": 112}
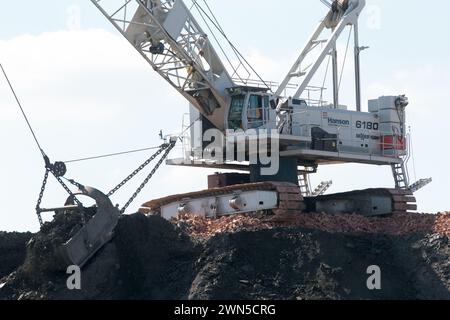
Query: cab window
{"x": 235, "y": 115}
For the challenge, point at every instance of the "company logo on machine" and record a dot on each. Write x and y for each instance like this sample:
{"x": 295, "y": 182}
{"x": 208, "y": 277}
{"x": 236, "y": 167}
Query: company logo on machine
{"x": 338, "y": 122}
{"x": 324, "y": 115}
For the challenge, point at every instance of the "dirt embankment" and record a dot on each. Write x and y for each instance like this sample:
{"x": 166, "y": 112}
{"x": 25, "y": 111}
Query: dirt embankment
{"x": 319, "y": 257}
{"x": 12, "y": 251}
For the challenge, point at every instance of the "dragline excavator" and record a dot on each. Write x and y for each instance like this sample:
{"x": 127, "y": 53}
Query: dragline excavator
{"x": 306, "y": 131}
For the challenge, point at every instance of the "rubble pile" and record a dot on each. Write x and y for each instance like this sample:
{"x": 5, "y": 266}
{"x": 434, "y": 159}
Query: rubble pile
{"x": 442, "y": 224}
{"x": 399, "y": 224}
{"x": 197, "y": 226}
{"x": 314, "y": 256}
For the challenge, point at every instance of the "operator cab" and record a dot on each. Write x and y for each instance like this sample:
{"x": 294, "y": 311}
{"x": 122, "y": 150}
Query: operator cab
{"x": 250, "y": 109}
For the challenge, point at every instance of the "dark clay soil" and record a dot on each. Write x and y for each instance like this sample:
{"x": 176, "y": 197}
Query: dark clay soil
{"x": 150, "y": 258}
{"x": 12, "y": 251}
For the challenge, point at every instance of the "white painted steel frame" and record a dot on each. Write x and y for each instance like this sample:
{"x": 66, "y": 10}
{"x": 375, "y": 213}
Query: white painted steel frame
{"x": 188, "y": 62}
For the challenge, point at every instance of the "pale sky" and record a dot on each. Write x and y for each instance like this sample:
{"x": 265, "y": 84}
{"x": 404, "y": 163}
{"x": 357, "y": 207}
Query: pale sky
{"x": 88, "y": 92}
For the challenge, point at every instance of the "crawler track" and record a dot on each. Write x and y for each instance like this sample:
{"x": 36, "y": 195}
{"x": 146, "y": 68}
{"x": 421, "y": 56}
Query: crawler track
{"x": 370, "y": 202}
{"x": 289, "y": 197}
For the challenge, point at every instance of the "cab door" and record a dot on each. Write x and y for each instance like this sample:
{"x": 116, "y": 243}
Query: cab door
{"x": 257, "y": 111}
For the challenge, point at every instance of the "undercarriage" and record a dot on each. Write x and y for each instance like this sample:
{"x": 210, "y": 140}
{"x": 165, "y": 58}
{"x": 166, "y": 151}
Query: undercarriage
{"x": 280, "y": 199}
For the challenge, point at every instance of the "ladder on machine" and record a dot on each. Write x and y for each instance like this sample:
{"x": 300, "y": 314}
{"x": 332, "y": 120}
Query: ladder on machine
{"x": 402, "y": 181}
{"x": 304, "y": 184}
{"x": 322, "y": 188}
{"x": 420, "y": 184}
{"x": 400, "y": 176}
